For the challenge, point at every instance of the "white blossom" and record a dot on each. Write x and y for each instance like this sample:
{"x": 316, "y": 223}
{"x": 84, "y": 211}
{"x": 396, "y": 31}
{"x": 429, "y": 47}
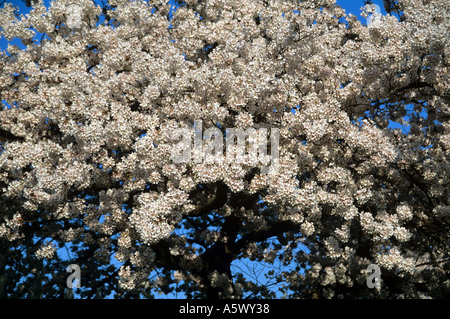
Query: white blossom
{"x": 93, "y": 98}
{"x": 46, "y": 251}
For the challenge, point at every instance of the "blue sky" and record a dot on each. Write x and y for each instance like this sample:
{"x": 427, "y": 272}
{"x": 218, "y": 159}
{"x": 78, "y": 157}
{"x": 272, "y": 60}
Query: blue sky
{"x": 354, "y": 7}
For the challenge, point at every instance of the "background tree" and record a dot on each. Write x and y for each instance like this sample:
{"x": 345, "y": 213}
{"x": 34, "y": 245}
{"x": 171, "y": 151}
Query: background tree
{"x": 91, "y": 105}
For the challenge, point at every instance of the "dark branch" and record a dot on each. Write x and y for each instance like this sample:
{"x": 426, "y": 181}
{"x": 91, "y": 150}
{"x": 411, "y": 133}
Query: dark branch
{"x": 8, "y": 136}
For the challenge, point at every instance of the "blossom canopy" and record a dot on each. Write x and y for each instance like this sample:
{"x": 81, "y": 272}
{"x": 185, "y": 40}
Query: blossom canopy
{"x": 91, "y": 101}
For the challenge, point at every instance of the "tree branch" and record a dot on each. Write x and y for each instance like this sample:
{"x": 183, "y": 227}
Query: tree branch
{"x": 8, "y": 136}
{"x": 217, "y": 201}
{"x": 259, "y": 236}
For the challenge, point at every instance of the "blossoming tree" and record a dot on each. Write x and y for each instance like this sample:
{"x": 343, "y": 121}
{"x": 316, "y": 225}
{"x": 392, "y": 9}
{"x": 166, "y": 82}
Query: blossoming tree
{"x": 90, "y": 104}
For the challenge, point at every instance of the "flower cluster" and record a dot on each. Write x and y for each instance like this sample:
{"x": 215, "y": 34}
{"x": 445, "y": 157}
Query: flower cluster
{"x": 46, "y": 251}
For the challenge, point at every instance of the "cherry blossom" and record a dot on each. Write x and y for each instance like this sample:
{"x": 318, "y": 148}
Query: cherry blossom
{"x": 94, "y": 98}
